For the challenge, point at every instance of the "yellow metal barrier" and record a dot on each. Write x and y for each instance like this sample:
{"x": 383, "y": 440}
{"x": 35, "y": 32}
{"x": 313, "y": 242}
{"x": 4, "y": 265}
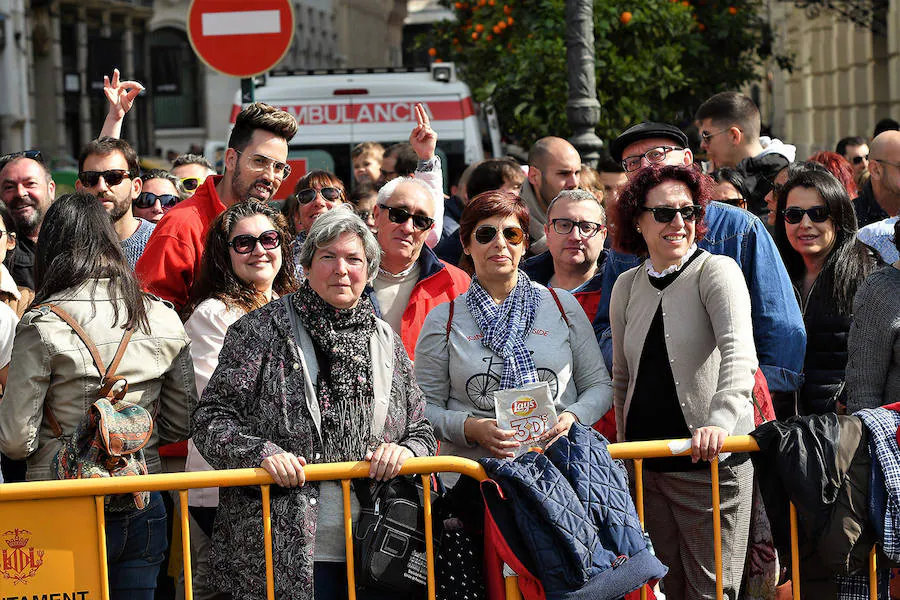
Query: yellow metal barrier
{"x": 50, "y": 492}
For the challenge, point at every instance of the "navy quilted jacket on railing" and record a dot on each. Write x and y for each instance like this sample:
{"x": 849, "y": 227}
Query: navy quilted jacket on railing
{"x": 576, "y": 524}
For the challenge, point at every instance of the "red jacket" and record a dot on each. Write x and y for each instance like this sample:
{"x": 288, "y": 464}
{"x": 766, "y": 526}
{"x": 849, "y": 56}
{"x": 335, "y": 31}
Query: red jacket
{"x": 171, "y": 260}
{"x": 438, "y": 282}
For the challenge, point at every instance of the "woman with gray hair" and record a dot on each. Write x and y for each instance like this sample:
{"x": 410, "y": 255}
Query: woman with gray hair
{"x": 313, "y": 377}
{"x": 160, "y": 192}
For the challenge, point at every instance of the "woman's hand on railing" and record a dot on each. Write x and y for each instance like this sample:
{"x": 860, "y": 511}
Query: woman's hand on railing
{"x": 386, "y": 460}
{"x": 707, "y": 442}
{"x": 286, "y": 469}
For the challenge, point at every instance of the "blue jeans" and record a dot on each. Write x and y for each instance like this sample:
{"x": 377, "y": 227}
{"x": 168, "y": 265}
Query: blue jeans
{"x": 135, "y": 548}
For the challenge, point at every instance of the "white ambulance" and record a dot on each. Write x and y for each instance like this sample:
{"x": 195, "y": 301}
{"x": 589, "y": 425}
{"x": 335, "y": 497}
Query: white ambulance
{"x": 337, "y": 109}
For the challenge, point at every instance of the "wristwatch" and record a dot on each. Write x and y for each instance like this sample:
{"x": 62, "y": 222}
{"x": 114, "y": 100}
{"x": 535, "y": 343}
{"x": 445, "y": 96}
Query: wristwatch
{"x": 427, "y": 166}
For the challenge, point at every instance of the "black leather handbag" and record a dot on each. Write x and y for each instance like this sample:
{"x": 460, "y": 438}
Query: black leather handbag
{"x": 389, "y": 537}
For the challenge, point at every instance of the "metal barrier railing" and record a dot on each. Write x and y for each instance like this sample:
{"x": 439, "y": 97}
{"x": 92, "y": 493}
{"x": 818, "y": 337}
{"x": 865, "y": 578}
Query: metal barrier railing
{"x": 345, "y": 472}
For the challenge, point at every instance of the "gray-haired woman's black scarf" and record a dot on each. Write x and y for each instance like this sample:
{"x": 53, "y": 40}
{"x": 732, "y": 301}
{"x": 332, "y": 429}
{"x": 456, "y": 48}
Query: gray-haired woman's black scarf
{"x": 344, "y": 385}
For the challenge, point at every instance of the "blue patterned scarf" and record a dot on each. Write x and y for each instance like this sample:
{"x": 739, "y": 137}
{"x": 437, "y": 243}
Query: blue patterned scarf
{"x": 506, "y": 326}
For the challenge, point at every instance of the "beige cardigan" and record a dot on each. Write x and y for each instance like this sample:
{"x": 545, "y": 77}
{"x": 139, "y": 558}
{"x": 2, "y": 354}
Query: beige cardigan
{"x": 709, "y": 340}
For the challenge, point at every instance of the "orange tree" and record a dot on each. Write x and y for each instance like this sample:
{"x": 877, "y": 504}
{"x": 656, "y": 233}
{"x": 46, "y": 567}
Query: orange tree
{"x": 655, "y": 59}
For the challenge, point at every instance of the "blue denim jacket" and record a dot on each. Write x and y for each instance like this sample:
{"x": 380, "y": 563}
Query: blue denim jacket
{"x": 778, "y": 329}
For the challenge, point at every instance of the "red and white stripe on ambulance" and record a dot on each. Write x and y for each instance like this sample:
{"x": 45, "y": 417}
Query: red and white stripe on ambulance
{"x": 373, "y": 112}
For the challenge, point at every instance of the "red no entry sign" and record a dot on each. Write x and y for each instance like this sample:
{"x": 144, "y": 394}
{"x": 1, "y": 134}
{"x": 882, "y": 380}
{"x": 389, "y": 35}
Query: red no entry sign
{"x": 241, "y": 38}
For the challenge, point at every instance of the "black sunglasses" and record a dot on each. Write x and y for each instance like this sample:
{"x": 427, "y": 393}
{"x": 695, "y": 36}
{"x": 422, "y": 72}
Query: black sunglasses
{"x": 817, "y": 214}
{"x": 330, "y": 194}
{"x": 665, "y": 214}
{"x": 191, "y": 183}
{"x": 400, "y": 216}
{"x": 32, "y": 154}
{"x": 486, "y": 233}
{"x": 244, "y": 244}
{"x": 148, "y": 199}
{"x": 113, "y": 177}
{"x": 857, "y": 160}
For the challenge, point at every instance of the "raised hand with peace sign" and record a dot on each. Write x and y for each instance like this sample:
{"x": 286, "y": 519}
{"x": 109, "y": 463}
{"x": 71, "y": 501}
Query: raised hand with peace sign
{"x": 423, "y": 138}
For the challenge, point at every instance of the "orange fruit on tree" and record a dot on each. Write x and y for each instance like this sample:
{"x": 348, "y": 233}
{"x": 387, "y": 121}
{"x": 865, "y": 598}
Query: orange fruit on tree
{"x": 496, "y": 30}
{"x": 507, "y": 9}
{"x": 474, "y": 35}
{"x": 625, "y": 17}
{"x": 732, "y": 10}
{"x": 701, "y": 26}
{"x": 509, "y": 21}
{"x": 502, "y": 24}
{"x": 479, "y": 28}
{"x": 458, "y": 5}
{"x": 489, "y": 37}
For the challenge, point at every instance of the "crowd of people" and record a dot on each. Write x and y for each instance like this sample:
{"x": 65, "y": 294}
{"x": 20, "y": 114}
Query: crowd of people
{"x": 657, "y": 297}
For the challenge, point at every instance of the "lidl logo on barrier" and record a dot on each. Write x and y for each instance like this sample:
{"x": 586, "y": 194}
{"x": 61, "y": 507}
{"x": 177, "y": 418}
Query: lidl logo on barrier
{"x": 19, "y": 561}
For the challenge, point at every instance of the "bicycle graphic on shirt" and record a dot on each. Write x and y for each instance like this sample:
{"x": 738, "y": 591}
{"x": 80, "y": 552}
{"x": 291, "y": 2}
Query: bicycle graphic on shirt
{"x": 480, "y": 387}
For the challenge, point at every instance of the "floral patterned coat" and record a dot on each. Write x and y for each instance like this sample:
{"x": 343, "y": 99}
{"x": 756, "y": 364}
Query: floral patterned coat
{"x": 261, "y": 401}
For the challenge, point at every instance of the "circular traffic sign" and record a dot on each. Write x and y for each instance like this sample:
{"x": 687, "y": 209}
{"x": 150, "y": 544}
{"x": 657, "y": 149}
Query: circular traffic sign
{"x": 241, "y": 38}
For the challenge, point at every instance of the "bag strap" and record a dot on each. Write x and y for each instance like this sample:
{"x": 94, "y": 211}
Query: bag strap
{"x": 450, "y": 318}
{"x": 108, "y": 376}
{"x": 559, "y": 305}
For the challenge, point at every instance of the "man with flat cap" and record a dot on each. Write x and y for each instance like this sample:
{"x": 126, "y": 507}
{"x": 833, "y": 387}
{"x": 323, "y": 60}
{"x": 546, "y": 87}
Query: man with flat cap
{"x": 778, "y": 329}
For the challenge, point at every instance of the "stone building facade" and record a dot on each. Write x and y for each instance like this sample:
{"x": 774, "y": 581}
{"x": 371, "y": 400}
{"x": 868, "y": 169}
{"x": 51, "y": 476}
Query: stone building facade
{"x": 846, "y": 76}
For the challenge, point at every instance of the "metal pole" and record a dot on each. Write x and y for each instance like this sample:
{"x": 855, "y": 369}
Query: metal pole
{"x": 582, "y": 108}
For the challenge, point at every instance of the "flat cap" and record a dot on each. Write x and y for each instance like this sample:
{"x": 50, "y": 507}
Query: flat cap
{"x": 645, "y": 131}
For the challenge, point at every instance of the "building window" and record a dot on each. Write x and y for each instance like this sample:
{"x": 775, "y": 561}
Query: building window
{"x": 175, "y": 80}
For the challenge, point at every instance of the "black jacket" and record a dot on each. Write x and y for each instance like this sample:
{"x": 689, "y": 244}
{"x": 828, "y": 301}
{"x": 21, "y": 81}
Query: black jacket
{"x": 822, "y": 465}
{"x": 867, "y": 208}
{"x": 825, "y": 362}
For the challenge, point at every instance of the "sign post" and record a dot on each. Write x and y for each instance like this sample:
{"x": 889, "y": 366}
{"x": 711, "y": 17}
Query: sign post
{"x": 236, "y": 40}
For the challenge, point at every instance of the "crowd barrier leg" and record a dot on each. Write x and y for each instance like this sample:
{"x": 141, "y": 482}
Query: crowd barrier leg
{"x": 873, "y": 575}
{"x": 100, "y": 504}
{"x": 429, "y": 537}
{"x": 717, "y": 525}
{"x": 267, "y": 541}
{"x": 186, "y": 545}
{"x": 348, "y": 541}
{"x": 795, "y": 554}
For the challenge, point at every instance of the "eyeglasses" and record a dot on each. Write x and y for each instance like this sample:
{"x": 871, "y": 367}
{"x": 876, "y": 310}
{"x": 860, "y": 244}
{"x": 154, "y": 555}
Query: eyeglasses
{"x": 817, "y": 214}
{"x": 192, "y": 183}
{"x": 113, "y": 177}
{"x": 587, "y": 229}
{"x": 400, "y": 216}
{"x": 258, "y": 162}
{"x": 148, "y": 199}
{"x": 486, "y": 234}
{"x": 886, "y": 162}
{"x": 245, "y": 244}
{"x": 776, "y": 189}
{"x": 857, "y": 160}
{"x": 706, "y": 136}
{"x": 9, "y": 234}
{"x": 32, "y": 154}
{"x": 665, "y": 214}
{"x": 331, "y": 194}
{"x": 653, "y": 155}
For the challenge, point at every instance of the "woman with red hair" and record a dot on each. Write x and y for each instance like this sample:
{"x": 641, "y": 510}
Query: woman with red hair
{"x": 840, "y": 167}
{"x": 683, "y": 367}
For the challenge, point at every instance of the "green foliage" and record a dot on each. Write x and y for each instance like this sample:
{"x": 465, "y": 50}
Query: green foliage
{"x": 655, "y": 59}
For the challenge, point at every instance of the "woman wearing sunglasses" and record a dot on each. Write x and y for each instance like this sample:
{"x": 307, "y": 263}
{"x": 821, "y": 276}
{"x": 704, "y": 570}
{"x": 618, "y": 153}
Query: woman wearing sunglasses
{"x": 506, "y": 331}
{"x": 161, "y": 191}
{"x": 244, "y": 267}
{"x": 314, "y": 377}
{"x": 816, "y": 235}
{"x": 683, "y": 367}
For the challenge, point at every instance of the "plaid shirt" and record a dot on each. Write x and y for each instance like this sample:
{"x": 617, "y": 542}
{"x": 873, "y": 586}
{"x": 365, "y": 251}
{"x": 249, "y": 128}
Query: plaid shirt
{"x": 882, "y": 425}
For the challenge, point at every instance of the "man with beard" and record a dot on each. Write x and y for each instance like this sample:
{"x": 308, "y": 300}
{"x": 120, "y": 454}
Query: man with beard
{"x": 28, "y": 189}
{"x": 255, "y": 166}
{"x": 108, "y": 168}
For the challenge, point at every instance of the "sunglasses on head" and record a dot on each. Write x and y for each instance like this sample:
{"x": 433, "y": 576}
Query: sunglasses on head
{"x": 331, "y": 194}
{"x": 192, "y": 183}
{"x": 486, "y": 234}
{"x": 113, "y": 177}
{"x": 817, "y": 214}
{"x": 857, "y": 160}
{"x": 665, "y": 214}
{"x": 400, "y": 216}
{"x": 32, "y": 154}
{"x": 148, "y": 199}
{"x": 244, "y": 244}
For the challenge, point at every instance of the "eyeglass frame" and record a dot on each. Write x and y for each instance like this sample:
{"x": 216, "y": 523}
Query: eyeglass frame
{"x": 392, "y": 216}
{"x": 156, "y": 198}
{"x": 257, "y": 240}
{"x": 34, "y": 155}
{"x": 642, "y": 156}
{"x": 705, "y": 136}
{"x": 598, "y": 227}
{"x": 199, "y": 181}
{"x": 128, "y": 174}
{"x": 885, "y": 162}
{"x": 657, "y": 211}
{"x": 318, "y": 192}
{"x": 806, "y": 212}
{"x": 285, "y": 170}
{"x": 499, "y": 231}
